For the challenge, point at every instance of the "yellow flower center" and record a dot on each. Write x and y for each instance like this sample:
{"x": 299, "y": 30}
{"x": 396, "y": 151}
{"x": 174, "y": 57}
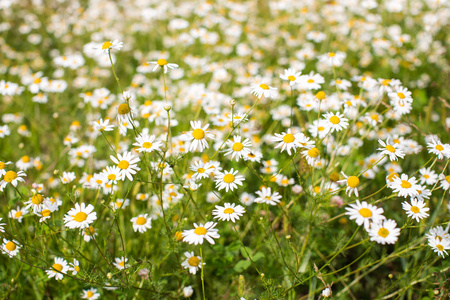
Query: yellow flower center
{"x": 89, "y": 294}
{"x": 383, "y": 232}
{"x": 162, "y": 62}
{"x": 89, "y": 231}
{"x": 335, "y": 120}
{"x": 401, "y": 95}
{"x": 141, "y": 221}
{"x": 317, "y": 189}
{"x": 405, "y": 184}
{"x": 415, "y": 209}
{"x": 112, "y": 177}
{"x": 310, "y": 80}
{"x": 228, "y": 178}
{"x": 10, "y": 246}
{"x": 178, "y": 236}
{"x": 122, "y": 264}
{"x": 439, "y": 147}
{"x": 314, "y": 152}
{"x": 18, "y": 214}
{"x": 264, "y": 86}
{"x": 200, "y": 231}
{"x": 80, "y": 217}
{"x": 331, "y": 54}
{"x": 228, "y": 210}
{"x": 352, "y": 181}
{"x": 2, "y": 165}
{"x": 375, "y": 117}
{"x": 37, "y": 80}
{"x": 46, "y": 212}
{"x": 123, "y": 109}
{"x": 237, "y": 146}
{"x": 440, "y": 247}
{"x": 123, "y": 164}
{"x": 77, "y": 268}
{"x": 57, "y": 267}
{"x": 147, "y": 145}
{"x": 320, "y": 95}
{"x": 288, "y": 138}
{"x": 25, "y": 158}
{"x": 321, "y": 128}
{"x": 193, "y": 261}
{"x": 390, "y": 148}
{"x": 392, "y": 176}
{"x": 291, "y": 78}
{"x": 198, "y": 134}
{"x": 365, "y": 212}
{"x": 201, "y": 170}
{"x": 447, "y": 178}
{"x": 106, "y": 45}
{"x": 37, "y": 199}
{"x": 386, "y": 82}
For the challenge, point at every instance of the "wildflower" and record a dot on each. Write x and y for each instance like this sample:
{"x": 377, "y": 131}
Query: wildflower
{"x": 127, "y": 164}
{"x": 141, "y": 223}
{"x": 80, "y": 216}
{"x": 192, "y": 262}
{"x": 385, "y": 232}
{"x": 311, "y": 155}
{"x": 101, "y": 125}
{"x": 364, "y": 213}
{"x": 3, "y": 167}
{"x": 18, "y": 213}
{"x": 336, "y": 122}
{"x": 428, "y": 176}
{"x": 146, "y": 143}
{"x": 196, "y": 236}
{"x": 265, "y": 195}
{"x": 68, "y": 177}
{"x": 124, "y": 114}
{"x": 438, "y": 233}
{"x": 88, "y": 233}
{"x": 416, "y": 209}
{"x": 74, "y": 266}
{"x": 120, "y": 263}
{"x": 188, "y": 291}
{"x": 333, "y": 59}
{"x": 111, "y": 174}
{"x": 228, "y": 212}
{"x": 445, "y": 181}
{"x": 35, "y": 202}
{"x": 439, "y": 246}
{"x": 404, "y": 186}
{"x": 290, "y": 75}
{"x": 10, "y": 248}
{"x": 237, "y": 147}
{"x": 287, "y": 141}
{"x": 107, "y": 46}
{"x": 228, "y": 180}
{"x": 162, "y": 63}
{"x": 310, "y": 81}
{"x": 437, "y": 148}
{"x": 352, "y": 184}
{"x": 48, "y": 207}
{"x": 198, "y": 136}
{"x": 60, "y": 266}
{"x": 401, "y": 94}
{"x": 264, "y": 90}
{"x": 90, "y": 294}
{"x": 12, "y": 178}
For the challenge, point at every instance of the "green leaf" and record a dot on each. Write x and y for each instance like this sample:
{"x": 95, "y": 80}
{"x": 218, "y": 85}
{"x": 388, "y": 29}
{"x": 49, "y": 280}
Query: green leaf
{"x": 258, "y": 256}
{"x": 244, "y": 253}
{"x": 242, "y": 265}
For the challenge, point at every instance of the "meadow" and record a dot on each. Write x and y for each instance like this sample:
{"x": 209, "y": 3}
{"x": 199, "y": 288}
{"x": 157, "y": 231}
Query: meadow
{"x": 224, "y": 149}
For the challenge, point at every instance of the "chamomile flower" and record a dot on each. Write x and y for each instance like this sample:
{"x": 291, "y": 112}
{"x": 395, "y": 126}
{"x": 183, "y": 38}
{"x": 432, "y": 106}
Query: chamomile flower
{"x": 438, "y": 233}
{"x": 127, "y": 164}
{"x": 192, "y": 262}
{"x": 68, "y": 177}
{"x": 162, "y": 63}
{"x": 290, "y": 75}
{"x": 405, "y": 186}
{"x": 120, "y": 263}
{"x": 310, "y": 81}
{"x": 416, "y": 210}
{"x": 445, "y": 181}
{"x": 88, "y": 233}
{"x": 80, "y": 216}
{"x": 352, "y": 184}
{"x": 48, "y": 207}
{"x": 146, "y": 143}
{"x": 264, "y": 90}
{"x": 364, "y": 213}
{"x": 125, "y": 114}
{"x": 393, "y": 151}
{"x": 438, "y": 148}
{"x": 3, "y": 167}
{"x": 228, "y": 180}
{"x": 287, "y": 141}
{"x": 198, "y": 136}
{"x": 111, "y": 174}
{"x": 333, "y": 59}
{"x": 119, "y": 204}
{"x": 12, "y": 178}
{"x": 107, "y": 46}
{"x": 74, "y": 266}
{"x": 90, "y": 294}
{"x": 237, "y": 147}
{"x": 10, "y": 248}
{"x": 35, "y": 202}
{"x": 385, "y": 232}
{"x": 336, "y": 121}
{"x": 311, "y": 155}
{"x": 228, "y": 212}
{"x": 18, "y": 213}
{"x": 428, "y": 176}
{"x": 101, "y": 125}
{"x": 265, "y": 195}
{"x": 141, "y": 223}
{"x": 60, "y": 266}
{"x": 202, "y": 170}
{"x": 196, "y": 236}
{"x": 439, "y": 246}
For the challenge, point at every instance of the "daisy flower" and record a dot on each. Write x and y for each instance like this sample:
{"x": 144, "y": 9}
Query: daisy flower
{"x": 18, "y": 213}
{"x": 107, "y": 46}
{"x": 48, "y": 207}
{"x": 201, "y": 170}
{"x": 80, "y": 216}
{"x": 10, "y": 248}
{"x": 310, "y": 81}
{"x": 90, "y": 294}
{"x": 401, "y": 94}
{"x": 3, "y": 167}
{"x": 192, "y": 262}
{"x": 238, "y": 148}
{"x": 101, "y": 125}
{"x": 60, "y": 266}
{"x": 352, "y": 184}
{"x": 68, "y": 177}
{"x": 428, "y": 176}
{"x": 405, "y": 186}
{"x": 445, "y": 181}
{"x": 120, "y": 263}
{"x": 364, "y": 213}
{"x": 228, "y": 212}
{"x": 35, "y": 202}
{"x": 290, "y": 75}
{"x": 336, "y": 122}
{"x": 120, "y": 204}
{"x": 332, "y": 59}
{"x": 265, "y": 195}
{"x": 228, "y": 180}
{"x": 437, "y": 148}
{"x": 393, "y": 151}
{"x": 287, "y": 141}
{"x": 162, "y": 63}
{"x": 385, "y": 232}
{"x": 146, "y": 143}
{"x": 74, "y": 267}
{"x": 12, "y": 178}
{"x": 112, "y": 174}
{"x": 439, "y": 246}
{"x": 311, "y": 155}
{"x": 264, "y": 90}
{"x": 141, "y": 223}
{"x": 196, "y": 236}
{"x": 198, "y": 136}
{"x": 438, "y": 233}
{"x": 88, "y": 233}
{"x": 416, "y": 210}
{"x": 127, "y": 164}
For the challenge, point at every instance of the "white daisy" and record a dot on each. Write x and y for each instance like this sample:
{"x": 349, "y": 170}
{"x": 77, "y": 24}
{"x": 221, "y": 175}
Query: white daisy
{"x": 428, "y": 176}
{"x": 393, "y": 151}
{"x": 336, "y": 121}
{"x": 416, "y": 210}
{"x": 192, "y": 262}
{"x": 80, "y": 216}
{"x": 198, "y": 136}
{"x": 101, "y": 125}
{"x": 405, "y": 186}
{"x": 127, "y": 164}
{"x": 439, "y": 246}
{"x": 445, "y": 181}
{"x": 385, "y": 232}
{"x": 265, "y": 195}
{"x": 90, "y": 294}
{"x": 364, "y": 213}
{"x": 162, "y": 63}
{"x": 264, "y": 90}
{"x": 13, "y": 178}
{"x": 18, "y": 213}
{"x": 107, "y": 46}
{"x": 352, "y": 183}
{"x": 196, "y": 236}
{"x": 60, "y": 266}
{"x": 228, "y": 180}
{"x": 141, "y": 223}
{"x": 287, "y": 141}
{"x": 146, "y": 143}
{"x": 228, "y": 212}
{"x": 238, "y": 148}
{"x": 10, "y": 248}
{"x": 120, "y": 263}
{"x": 291, "y": 75}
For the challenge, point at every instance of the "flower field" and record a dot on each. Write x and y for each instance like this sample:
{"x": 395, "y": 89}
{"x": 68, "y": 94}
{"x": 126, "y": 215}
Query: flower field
{"x": 224, "y": 149}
